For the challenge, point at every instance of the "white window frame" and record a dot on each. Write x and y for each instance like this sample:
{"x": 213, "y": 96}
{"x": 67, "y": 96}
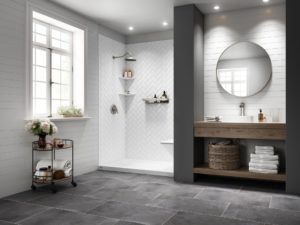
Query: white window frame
{"x": 30, "y": 9}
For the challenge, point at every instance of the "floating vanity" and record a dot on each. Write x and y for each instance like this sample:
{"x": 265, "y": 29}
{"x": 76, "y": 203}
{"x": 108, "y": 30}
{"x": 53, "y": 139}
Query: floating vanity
{"x": 254, "y": 131}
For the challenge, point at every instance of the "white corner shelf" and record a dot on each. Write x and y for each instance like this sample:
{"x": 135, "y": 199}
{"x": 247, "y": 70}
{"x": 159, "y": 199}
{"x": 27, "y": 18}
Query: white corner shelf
{"x": 167, "y": 142}
{"x": 127, "y": 95}
{"x": 127, "y": 78}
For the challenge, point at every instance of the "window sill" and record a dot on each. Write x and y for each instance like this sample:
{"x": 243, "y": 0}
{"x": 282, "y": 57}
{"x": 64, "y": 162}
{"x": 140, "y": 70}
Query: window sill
{"x": 64, "y": 119}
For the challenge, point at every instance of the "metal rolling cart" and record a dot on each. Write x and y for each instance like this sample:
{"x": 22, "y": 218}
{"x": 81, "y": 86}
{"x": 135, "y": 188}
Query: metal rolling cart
{"x": 48, "y": 179}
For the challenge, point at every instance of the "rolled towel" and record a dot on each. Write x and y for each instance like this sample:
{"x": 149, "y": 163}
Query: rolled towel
{"x": 263, "y": 166}
{"x": 264, "y": 157}
{"x": 57, "y": 164}
{"x": 68, "y": 172}
{"x": 269, "y": 162}
{"x": 264, "y": 148}
{"x": 255, "y": 170}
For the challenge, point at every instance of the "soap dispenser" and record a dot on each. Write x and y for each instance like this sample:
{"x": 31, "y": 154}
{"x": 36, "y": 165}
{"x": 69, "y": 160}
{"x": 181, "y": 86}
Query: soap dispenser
{"x": 260, "y": 116}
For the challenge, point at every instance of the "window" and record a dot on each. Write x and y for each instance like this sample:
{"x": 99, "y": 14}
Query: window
{"x": 52, "y": 68}
{"x": 57, "y": 74}
{"x": 234, "y": 80}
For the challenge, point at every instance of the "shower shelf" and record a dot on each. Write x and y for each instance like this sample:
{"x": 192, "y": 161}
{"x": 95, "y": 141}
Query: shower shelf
{"x": 154, "y": 101}
{"x": 127, "y": 78}
{"x": 127, "y": 95}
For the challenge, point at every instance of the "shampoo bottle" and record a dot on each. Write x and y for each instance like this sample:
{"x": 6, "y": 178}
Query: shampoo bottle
{"x": 260, "y": 116}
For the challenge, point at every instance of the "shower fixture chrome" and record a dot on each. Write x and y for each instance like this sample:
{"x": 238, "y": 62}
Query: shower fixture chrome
{"x": 128, "y": 57}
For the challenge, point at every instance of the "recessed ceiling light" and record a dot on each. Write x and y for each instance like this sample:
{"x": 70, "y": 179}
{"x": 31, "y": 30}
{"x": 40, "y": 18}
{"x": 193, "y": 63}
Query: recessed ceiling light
{"x": 216, "y": 7}
{"x": 130, "y": 28}
{"x": 265, "y": 1}
{"x": 165, "y": 23}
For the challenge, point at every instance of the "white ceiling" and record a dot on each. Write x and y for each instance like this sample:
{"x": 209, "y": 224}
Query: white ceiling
{"x": 147, "y": 15}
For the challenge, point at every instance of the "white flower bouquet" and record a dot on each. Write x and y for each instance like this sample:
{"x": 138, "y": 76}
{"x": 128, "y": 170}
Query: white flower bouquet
{"x": 41, "y": 127}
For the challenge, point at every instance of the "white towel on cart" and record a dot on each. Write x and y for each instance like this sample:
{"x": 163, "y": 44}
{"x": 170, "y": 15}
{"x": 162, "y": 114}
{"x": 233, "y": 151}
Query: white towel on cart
{"x": 264, "y": 157}
{"x": 263, "y": 166}
{"x": 265, "y": 162}
{"x": 256, "y": 170}
{"x": 58, "y": 164}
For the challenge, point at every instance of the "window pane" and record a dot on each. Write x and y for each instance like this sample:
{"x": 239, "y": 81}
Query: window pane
{"x": 33, "y": 72}
{"x": 66, "y": 37}
{"x": 55, "y": 43}
{"x": 41, "y": 57}
{"x": 33, "y": 89}
{"x": 65, "y": 77}
{"x": 40, "y": 90}
{"x": 55, "y": 61}
{"x": 55, "y": 34}
{"x": 40, "y": 106}
{"x": 65, "y": 63}
{"x": 65, "y": 103}
{"x": 65, "y": 92}
{"x": 33, "y": 55}
{"x": 56, "y": 76}
{"x": 41, "y": 39}
{"x": 41, "y": 74}
{"x": 65, "y": 46}
{"x": 55, "y": 106}
{"x": 41, "y": 29}
{"x": 55, "y": 91}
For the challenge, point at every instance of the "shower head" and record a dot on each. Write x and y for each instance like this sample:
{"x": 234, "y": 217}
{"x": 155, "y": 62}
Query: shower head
{"x": 128, "y": 57}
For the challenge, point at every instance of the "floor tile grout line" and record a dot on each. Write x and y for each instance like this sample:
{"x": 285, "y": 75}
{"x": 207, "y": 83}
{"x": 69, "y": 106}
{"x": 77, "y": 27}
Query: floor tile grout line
{"x": 36, "y": 214}
{"x": 225, "y": 209}
{"x": 175, "y": 213}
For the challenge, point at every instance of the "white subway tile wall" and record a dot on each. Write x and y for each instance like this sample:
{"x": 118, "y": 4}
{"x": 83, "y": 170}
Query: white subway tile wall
{"x": 15, "y": 144}
{"x": 264, "y": 26}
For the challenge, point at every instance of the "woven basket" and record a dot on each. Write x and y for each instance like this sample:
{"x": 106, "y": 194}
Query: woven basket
{"x": 223, "y": 157}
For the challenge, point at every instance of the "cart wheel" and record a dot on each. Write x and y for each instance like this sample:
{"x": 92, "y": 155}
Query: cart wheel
{"x": 74, "y": 184}
{"x": 53, "y": 190}
{"x": 33, "y": 187}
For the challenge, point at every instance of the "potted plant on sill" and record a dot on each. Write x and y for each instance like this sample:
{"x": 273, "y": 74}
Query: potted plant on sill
{"x": 70, "y": 111}
{"x": 41, "y": 128}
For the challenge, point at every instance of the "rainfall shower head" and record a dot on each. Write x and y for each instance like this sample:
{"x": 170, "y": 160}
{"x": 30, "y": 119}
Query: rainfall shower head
{"x": 128, "y": 57}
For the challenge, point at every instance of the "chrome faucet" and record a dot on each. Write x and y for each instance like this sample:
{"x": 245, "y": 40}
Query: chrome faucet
{"x": 242, "y": 109}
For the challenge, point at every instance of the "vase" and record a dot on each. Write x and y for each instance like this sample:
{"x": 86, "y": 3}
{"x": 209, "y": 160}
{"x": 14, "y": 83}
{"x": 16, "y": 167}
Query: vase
{"x": 42, "y": 141}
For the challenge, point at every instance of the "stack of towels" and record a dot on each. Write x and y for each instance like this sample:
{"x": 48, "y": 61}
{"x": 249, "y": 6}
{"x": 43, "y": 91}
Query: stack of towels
{"x": 264, "y": 160}
{"x": 58, "y": 165}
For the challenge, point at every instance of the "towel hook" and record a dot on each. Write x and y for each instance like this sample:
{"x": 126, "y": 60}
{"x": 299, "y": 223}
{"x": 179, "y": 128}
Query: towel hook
{"x": 114, "y": 109}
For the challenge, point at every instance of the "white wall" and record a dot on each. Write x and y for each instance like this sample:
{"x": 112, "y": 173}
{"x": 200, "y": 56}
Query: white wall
{"x": 148, "y": 125}
{"x": 264, "y": 26}
{"x": 138, "y": 129}
{"x": 15, "y": 144}
{"x": 112, "y": 127}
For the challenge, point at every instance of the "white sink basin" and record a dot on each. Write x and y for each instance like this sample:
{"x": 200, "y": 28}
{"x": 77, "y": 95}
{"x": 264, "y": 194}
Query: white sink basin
{"x": 237, "y": 119}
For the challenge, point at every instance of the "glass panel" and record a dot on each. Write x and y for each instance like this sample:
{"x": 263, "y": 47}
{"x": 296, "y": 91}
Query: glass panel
{"x": 55, "y": 91}
{"x": 41, "y": 39}
{"x": 33, "y": 55}
{"x": 55, "y": 106}
{"x": 65, "y": 92}
{"x": 41, "y": 74}
{"x": 33, "y": 26}
{"x": 33, "y": 89}
{"x": 66, "y": 37}
{"x": 33, "y": 72}
{"x": 41, "y": 57}
{"x": 41, "y": 29}
{"x": 65, "y": 63}
{"x": 55, "y": 61}
{"x": 40, "y": 90}
{"x": 65, "y": 46}
{"x": 65, "y": 77}
{"x": 55, "y": 43}
{"x": 40, "y": 106}
{"x": 55, "y": 34}
{"x": 56, "y": 76}
{"x": 65, "y": 103}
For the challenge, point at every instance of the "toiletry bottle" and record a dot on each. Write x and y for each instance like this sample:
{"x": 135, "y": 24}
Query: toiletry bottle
{"x": 125, "y": 74}
{"x": 129, "y": 74}
{"x": 260, "y": 116}
{"x": 164, "y": 97}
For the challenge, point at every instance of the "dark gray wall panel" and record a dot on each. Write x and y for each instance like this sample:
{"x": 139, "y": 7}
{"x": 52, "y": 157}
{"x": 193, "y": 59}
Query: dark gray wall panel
{"x": 293, "y": 93}
{"x": 188, "y": 71}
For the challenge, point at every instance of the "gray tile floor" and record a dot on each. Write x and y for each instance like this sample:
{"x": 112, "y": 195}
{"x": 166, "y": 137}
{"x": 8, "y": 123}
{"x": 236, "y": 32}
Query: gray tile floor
{"x": 110, "y": 198}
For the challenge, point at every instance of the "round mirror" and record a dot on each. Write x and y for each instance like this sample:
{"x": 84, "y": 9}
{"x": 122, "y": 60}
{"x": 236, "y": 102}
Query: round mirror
{"x": 244, "y": 69}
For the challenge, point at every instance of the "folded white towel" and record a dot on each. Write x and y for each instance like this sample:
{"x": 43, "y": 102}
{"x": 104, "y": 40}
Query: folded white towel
{"x": 264, "y": 148}
{"x": 255, "y": 170}
{"x": 262, "y": 161}
{"x": 263, "y": 166}
{"x": 264, "y": 152}
{"x": 57, "y": 164}
{"x": 265, "y": 157}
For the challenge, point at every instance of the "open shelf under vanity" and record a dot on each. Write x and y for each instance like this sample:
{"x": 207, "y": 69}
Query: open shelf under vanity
{"x": 249, "y": 131}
